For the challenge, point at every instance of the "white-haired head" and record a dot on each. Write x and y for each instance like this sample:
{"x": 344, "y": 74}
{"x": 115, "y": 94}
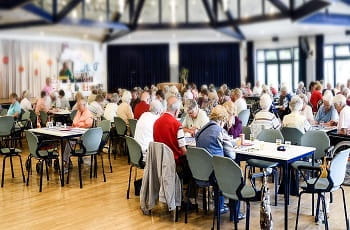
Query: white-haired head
{"x": 126, "y": 97}
{"x": 328, "y": 97}
{"x": 339, "y": 100}
{"x": 156, "y": 107}
{"x": 296, "y": 104}
{"x": 265, "y": 102}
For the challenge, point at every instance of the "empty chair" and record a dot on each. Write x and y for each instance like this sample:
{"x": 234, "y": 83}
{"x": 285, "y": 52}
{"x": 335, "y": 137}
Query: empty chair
{"x": 132, "y": 125}
{"x": 244, "y": 116}
{"x": 232, "y": 187}
{"x": 292, "y": 134}
{"x": 106, "y": 128}
{"x": 333, "y": 182}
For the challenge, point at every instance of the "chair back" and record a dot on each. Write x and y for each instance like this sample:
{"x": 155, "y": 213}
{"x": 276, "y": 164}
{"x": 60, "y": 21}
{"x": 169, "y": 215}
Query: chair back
{"x": 337, "y": 169}
{"x": 317, "y": 139}
{"x": 135, "y": 151}
{"x": 229, "y": 185}
{"x": 91, "y": 140}
{"x": 270, "y": 135}
{"x": 33, "y": 118}
{"x": 26, "y": 116}
{"x": 132, "y": 125}
{"x": 292, "y": 134}
{"x": 3, "y": 112}
{"x": 246, "y": 131}
{"x": 6, "y": 125}
{"x": 200, "y": 162}
{"x": 43, "y": 118}
{"x": 120, "y": 126}
{"x": 72, "y": 114}
{"x": 244, "y": 116}
{"x": 105, "y": 125}
{"x": 32, "y": 141}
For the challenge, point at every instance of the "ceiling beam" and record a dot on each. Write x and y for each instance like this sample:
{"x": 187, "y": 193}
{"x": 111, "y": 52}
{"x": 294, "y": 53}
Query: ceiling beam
{"x": 92, "y": 23}
{"x": 24, "y": 24}
{"x": 137, "y": 13}
{"x": 281, "y": 6}
{"x": 328, "y": 19}
{"x": 66, "y": 10}
{"x": 10, "y": 4}
{"x": 236, "y": 33}
{"x": 38, "y": 11}
{"x": 210, "y": 13}
{"x": 260, "y": 19}
{"x": 165, "y": 26}
{"x": 117, "y": 35}
{"x": 308, "y": 8}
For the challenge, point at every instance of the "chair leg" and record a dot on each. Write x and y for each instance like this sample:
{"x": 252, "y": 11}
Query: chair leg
{"x": 29, "y": 169}
{"x": 177, "y": 214}
{"x": 298, "y": 210}
{"x": 345, "y": 209}
{"x": 68, "y": 174}
{"x": 47, "y": 170}
{"x": 13, "y": 174}
{"x": 109, "y": 156}
{"x": 127, "y": 194}
{"x": 103, "y": 169}
{"x": 95, "y": 166}
{"x": 276, "y": 184}
{"x": 79, "y": 168}
{"x": 218, "y": 210}
{"x": 215, "y": 207}
{"x": 330, "y": 197}
{"x": 41, "y": 175}
{"x": 20, "y": 161}
{"x": 317, "y": 208}
{"x": 188, "y": 202}
{"x": 205, "y": 201}
{"x": 92, "y": 161}
{"x": 247, "y": 215}
{"x": 3, "y": 171}
{"x": 324, "y": 212}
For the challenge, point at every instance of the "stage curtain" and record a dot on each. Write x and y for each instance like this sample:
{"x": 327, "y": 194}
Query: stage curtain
{"x": 250, "y": 63}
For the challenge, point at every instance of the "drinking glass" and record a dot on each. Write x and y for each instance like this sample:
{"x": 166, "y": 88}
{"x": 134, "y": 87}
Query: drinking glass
{"x": 287, "y": 143}
{"x": 278, "y": 142}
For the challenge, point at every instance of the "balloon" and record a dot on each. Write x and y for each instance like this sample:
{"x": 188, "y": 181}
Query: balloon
{"x": 21, "y": 69}
{"x": 49, "y": 62}
{"x": 36, "y": 72}
{"x": 5, "y": 60}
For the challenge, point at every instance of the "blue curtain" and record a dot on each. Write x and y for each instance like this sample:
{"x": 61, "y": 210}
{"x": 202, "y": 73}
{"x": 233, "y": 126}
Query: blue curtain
{"x": 137, "y": 65}
{"x": 250, "y": 63}
{"x": 208, "y": 63}
{"x": 319, "y": 57}
{"x": 302, "y": 61}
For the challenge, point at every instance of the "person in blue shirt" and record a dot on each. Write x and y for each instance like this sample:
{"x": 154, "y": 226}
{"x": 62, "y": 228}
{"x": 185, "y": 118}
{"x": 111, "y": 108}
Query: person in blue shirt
{"x": 15, "y": 107}
{"x": 326, "y": 112}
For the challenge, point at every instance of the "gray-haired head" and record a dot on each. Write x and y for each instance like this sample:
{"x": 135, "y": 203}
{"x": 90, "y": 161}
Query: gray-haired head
{"x": 114, "y": 98}
{"x": 126, "y": 97}
{"x": 296, "y": 103}
{"x": 339, "y": 100}
{"x": 191, "y": 105}
{"x": 173, "y": 104}
{"x": 265, "y": 102}
{"x": 156, "y": 107}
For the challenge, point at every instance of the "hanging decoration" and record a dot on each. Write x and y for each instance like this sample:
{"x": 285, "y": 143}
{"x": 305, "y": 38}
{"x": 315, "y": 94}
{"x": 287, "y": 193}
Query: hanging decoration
{"x": 36, "y": 72}
{"x": 5, "y": 60}
{"x": 21, "y": 69}
{"x": 49, "y": 62}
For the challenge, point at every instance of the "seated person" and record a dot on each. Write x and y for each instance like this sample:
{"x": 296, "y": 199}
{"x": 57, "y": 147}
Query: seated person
{"x": 96, "y": 107}
{"x": 144, "y": 126}
{"x": 111, "y": 108}
{"x": 142, "y": 106}
{"x": 306, "y": 111}
{"x": 327, "y": 112}
{"x": 15, "y": 108}
{"x": 195, "y": 119}
{"x": 26, "y": 105}
{"x": 344, "y": 112}
{"x": 283, "y": 102}
{"x": 41, "y": 103}
{"x": 61, "y": 101}
{"x": 124, "y": 110}
{"x": 295, "y": 119}
{"x": 238, "y": 100}
{"x": 234, "y": 124}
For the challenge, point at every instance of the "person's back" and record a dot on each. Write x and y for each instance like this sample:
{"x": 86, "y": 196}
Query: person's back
{"x": 296, "y": 120}
{"x": 110, "y": 111}
{"x": 207, "y": 138}
{"x": 264, "y": 120}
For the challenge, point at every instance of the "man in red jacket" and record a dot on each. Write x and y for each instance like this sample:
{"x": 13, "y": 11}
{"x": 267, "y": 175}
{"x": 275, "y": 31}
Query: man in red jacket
{"x": 142, "y": 106}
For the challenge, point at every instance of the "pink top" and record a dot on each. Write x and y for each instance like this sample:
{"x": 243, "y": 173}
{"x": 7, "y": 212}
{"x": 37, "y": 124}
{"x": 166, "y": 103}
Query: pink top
{"x": 48, "y": 89}
{"x": 41, "y": 105}
{"x": 83, "y": 119}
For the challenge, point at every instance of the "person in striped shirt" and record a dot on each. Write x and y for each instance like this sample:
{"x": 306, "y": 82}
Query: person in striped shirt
{"x": 264, "y": 119}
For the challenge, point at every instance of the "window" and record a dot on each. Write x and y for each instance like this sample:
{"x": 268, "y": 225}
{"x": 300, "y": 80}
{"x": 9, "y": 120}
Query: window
{"x": 278, "y": 66}
{"x": 336, "y": 63}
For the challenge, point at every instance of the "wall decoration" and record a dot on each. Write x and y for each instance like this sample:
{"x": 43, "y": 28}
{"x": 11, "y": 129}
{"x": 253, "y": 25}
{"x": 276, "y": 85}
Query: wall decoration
{"x": 21, "y": 69}
{"x": 36, "y": 72}
{"x": 5, "y": 60}
{"x": 49, "y": 62}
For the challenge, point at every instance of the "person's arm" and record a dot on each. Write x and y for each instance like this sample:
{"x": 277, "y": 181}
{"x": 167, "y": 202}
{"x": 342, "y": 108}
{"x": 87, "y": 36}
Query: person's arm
{"x": 181, "y": 140}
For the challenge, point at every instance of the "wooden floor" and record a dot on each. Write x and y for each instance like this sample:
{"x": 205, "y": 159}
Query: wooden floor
{"x": 102, "y": 205}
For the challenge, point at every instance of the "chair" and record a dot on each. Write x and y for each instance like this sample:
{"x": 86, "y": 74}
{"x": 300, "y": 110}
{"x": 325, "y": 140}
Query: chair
{"x": 246, "y": 131}
{"x": 89, "y": 143}
{"x": 333, "y": 182}
{"x": 244, "y": 116}
{"x": 39, "y": 151}
{"x": 3, "y": 112}
{"x": 72, "y": 114}
{"x": 267, "y": 135}
{"x": 132, "y": 125}
{"x": 292, "y": 134}
{"x": 106, "y": 127}
{"x": 232, "y": 187}
{"x": 7, "y": 147}
{"x": 44, "y": 117}
{"x": 33, "y": 118}
{"x": 121, "y": 128}
{"x": 200, "y": 163}
{"x": 135, "y": 154}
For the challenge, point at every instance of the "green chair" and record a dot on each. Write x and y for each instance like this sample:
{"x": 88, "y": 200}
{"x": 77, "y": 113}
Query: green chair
{"x": 244, "y": 116}
{"x": 33, "y": 118}
{"x": 44, "y": 117}
{"x": 200, "y": 163}
{"x": 132, "y": 125}
{"x": 38, "y": 150}
{"x": 120, "y": 128}
{"x": 232, "y": 187}
{"x": 136, "y": 162}
{"x": 267, "y": 135}
{"x": 6, "y": 127}
{"x": 292, "y": 134}
{"x": 333, "y": 182}
{"x": 89, "y": 146}
{"x": 72, "y": 114}
{"x": 246, "y": 131}
{"x": 106, "y": 128}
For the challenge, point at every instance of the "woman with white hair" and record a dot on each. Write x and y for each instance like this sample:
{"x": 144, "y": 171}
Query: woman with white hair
{"x": 111, "y": 108}
{"x": 124, "y": 110}
{"x": 306, "y": 111}
{"x": 343, "y": 110}
{"x": 301, "y": 89}
{"x": 25, "y": 104}
{"x": 295, "y": 119}
{"x": 327, "y": 112}
{"x": 264, "y": 119}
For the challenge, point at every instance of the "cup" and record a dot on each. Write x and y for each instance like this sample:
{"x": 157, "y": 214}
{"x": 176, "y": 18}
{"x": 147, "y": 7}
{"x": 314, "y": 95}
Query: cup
{"x": 278, "y": 142}
{"x": 251, "y": 137}
{"x": 288, "y": 143}
{"x": 58, "y": 124}
{"x": 242, "y": 137}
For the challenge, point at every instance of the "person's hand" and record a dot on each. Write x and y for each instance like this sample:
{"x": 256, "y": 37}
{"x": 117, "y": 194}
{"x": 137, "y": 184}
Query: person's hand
{"x": 333, "y": 123}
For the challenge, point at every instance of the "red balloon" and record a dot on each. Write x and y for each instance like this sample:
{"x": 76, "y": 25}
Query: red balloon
{"x": 5, "y": 60}
{"x": 36, "y": 72}
{"x": 21, "y": 69}
{"x": 49, "y": 62}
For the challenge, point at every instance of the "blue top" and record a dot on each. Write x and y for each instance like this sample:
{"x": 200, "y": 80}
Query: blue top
{"x": 322, "y": 115}
{"x": 209, "y": 138}
{"x": 14, "y": 108}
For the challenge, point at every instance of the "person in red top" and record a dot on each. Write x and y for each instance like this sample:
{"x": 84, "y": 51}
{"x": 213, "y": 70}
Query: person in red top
{"x": 142, "y": 106}
{"x": 316, "y": 96}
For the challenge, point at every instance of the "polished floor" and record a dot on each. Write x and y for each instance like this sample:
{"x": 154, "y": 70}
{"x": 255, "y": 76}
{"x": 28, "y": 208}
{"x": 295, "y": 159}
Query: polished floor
{"x": 102, "y": 205}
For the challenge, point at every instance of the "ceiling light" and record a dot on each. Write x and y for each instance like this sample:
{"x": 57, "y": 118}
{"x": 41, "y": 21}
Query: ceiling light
{"x": 121, "y": 5}
{"x": 87, "y": 1}
{"x": 100, "y": 18}
{"x": 173, "y": 11}
{"x": 193, "y": 2}
{"x": 153, "y": 3}
{"x": 74, "y": 14}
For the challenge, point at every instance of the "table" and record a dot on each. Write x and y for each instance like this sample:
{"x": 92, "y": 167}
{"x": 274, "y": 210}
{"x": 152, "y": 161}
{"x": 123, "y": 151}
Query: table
{"x": 268, "y": 151}
{"x": 325, "y": 129}
{"x": 62, "y": 134}
{"x": 62, "y": 112}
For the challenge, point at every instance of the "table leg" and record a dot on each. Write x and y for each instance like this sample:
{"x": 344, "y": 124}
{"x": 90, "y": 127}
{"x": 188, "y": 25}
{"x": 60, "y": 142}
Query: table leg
{"x": 286, "y": 193}
{"x": 62, "y": 163}
{"x": 313, "y": 195}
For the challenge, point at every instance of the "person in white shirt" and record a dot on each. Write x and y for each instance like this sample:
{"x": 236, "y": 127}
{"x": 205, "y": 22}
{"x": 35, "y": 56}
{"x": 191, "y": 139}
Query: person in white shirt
{"x": 264, "y": 119}
{"x": 306, "y": 111}
{"x": 144, "y": 126}
{"x": 339, "y": 102}
{"x": 96, "y": 107}
{"x": 111, "y": 108}
{"x": 61, "y": 101}
{"x": 195, "y": 118}
{"x": 239, "y": 103}
{"x": 257, "y": 90}
{"x": 25, "y": 104}
{"x": 188, "y": 95}
{"x": 295, "y": 119}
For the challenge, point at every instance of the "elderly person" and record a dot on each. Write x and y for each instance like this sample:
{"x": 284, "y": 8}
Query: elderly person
{"x": 92, "y": 96}
{"x": 295, "y": 119}
{"x": 283, "y": 102}
{"x": 48, "y": 86}
{"x": 26, "y": 105}
{"x": 234, "y": 124}
{"x": 144, "y": 126}
{"x": 343, "y": 109}
{"x": 15, "y": 107}
{"x": 257, "y": 90}
{"x": 135, "y": 99}
{"x": 195, "y": 118}
{"x": 61, "y": 101}
{"x": 316, "y": 96}
{"x": 143, "y": 105}
{"x": 124, "y": 110}
{"x": 264, "y": 119}
{"x": 306, "y": 111}
{"x": 161, "y": 98}
{"x": 78, "y": 96}
{"x": 96, "y": 107}
{"x": 111, "y": 108}
{"x": 239, "y": 103}
{"x": 327, "y": 112}
{"x": 41, "y": 104}
{"x": 301, "y": 89}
